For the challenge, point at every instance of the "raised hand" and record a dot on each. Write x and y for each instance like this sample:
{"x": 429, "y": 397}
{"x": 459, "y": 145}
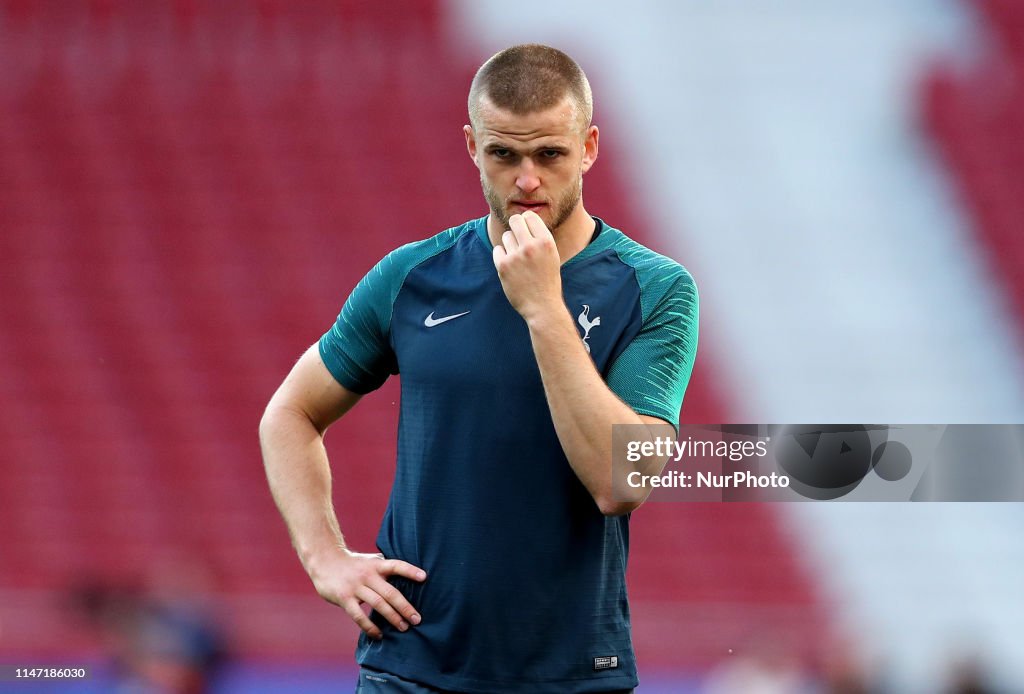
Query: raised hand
{"x": 529, "y": 266}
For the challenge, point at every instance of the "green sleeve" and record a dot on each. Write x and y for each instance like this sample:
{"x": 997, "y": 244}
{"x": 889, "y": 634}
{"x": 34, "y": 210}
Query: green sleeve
{"x": 653, "y": 371}
{"x": 357, "y": 349}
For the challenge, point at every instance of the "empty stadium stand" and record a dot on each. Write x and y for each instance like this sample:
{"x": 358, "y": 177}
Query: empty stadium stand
{"x": 977, "y": 118}
{"x": 186, "y": 197}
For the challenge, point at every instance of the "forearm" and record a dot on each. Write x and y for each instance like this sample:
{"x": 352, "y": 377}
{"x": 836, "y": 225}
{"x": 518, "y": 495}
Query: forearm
{"x": 300, "y": 481}
{"x": 584, "y": 409}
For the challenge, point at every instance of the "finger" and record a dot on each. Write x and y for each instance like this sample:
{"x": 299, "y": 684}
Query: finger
{"x": 499, "y": 254}
{"x": 535, "y": 224}
{"x": 377, "y": 601}
{"x": 509, "y": 241}
{"x": 395, "y": 599}
{"x": 518, "y": 226}
{"x": 397, "y": 567}
{"x": 351, "y": 606}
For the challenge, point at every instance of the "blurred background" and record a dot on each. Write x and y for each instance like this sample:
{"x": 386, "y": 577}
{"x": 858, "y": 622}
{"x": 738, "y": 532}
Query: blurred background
{"x": 189, "y": 190}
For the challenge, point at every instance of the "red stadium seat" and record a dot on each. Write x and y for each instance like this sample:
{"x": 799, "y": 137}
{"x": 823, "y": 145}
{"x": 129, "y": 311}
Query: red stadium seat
{"x": 188, "y": 194}
{"x": 977, "y": 120}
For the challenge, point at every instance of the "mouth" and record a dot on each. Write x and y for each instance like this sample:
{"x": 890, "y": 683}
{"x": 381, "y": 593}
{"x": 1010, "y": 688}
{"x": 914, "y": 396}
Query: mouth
{"x": 524, "y": 205}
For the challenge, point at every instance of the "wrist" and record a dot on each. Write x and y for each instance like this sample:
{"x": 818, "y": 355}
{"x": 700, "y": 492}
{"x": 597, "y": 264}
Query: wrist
{"x": 545, "y": 316}
{"x": 313, "y": 559}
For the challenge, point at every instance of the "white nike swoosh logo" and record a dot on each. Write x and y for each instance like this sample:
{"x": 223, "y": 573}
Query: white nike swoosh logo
{"x": 430, "y": 321}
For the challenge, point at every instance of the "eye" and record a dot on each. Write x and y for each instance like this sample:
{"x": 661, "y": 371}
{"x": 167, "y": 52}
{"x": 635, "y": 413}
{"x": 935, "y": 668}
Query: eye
{"x": 551, "y": 154}
{"x": 501, "y": 153}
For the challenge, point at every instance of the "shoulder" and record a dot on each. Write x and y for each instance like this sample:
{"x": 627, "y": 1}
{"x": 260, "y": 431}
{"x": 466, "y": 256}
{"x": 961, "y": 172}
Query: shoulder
{"x": 405, "y": 258}
{"x": 382, "y": 284}
{"x": 660, "y": 278}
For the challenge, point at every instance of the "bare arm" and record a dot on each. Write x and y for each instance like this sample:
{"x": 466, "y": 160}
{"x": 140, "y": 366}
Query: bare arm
{"x": 583, "y": 408}
{"x": 291, "y": 438}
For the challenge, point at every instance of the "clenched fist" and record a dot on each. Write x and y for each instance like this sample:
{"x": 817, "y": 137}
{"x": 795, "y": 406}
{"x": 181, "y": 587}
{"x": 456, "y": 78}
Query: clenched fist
{"x": 529, "y": 266}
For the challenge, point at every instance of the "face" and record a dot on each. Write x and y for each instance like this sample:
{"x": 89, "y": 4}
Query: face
{"x": 532, "y": 162}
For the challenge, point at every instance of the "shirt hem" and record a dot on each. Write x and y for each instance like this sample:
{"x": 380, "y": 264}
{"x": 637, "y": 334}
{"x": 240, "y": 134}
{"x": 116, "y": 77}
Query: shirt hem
{"x": 469, "y": 685}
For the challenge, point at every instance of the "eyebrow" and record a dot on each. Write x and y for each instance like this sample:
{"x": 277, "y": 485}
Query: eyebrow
{"x": 490, "y": 147}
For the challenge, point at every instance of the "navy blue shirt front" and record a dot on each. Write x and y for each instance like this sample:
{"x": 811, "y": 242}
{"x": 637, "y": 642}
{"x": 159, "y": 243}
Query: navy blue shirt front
{"x": 526, "y": 578}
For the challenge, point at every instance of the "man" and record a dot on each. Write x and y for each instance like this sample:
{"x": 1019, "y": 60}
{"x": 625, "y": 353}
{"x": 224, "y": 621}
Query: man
{"x": 522, "y": 338}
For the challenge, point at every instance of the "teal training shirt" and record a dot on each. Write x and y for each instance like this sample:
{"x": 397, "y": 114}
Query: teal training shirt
{"x": 526, "y": 586}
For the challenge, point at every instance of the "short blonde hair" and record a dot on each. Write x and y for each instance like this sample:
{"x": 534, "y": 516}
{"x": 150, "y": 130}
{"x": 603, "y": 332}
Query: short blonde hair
{"x": 529, "y": 78}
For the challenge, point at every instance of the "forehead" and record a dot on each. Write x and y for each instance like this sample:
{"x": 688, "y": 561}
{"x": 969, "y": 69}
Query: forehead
{"x": 561, "y": 120}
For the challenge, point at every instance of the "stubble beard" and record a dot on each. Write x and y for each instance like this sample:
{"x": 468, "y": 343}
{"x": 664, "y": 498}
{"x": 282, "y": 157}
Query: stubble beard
{"x": 560, "y": 209}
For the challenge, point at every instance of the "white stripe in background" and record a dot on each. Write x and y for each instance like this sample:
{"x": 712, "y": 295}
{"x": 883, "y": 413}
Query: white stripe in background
{"x": 776, "y": 144}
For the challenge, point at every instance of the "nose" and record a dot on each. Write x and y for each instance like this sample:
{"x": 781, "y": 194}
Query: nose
{"x": 527, "y": 179}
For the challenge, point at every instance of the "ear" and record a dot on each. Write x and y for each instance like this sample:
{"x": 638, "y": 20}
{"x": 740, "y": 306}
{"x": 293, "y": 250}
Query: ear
{"x": 590, "y": 141}
{"x": 471, "y": 143}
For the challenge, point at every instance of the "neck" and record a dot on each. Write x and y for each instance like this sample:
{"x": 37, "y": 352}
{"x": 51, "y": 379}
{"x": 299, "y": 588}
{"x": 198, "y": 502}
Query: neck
{"x": 571, "y": 237}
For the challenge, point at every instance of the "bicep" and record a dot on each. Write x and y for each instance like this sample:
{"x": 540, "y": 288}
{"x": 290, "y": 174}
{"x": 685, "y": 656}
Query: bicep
{"x": 659, "y": 429}
{"x": 658, "y": 426}
{"x": 311, "y": 390}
